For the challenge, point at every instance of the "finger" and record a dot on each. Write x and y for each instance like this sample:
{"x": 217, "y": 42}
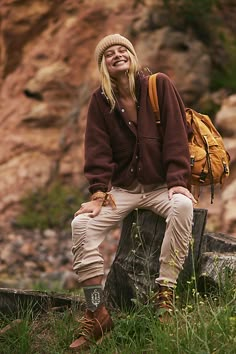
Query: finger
{"x": 77, "y": 213}
{"x": 95, "y": 212}
{"x": 193, "y": 199}
{"x": 92, "y": 215}
{"x": 190, "y": 196}
{"x": 170, "y": 194}
{"x": 82, "y": 210}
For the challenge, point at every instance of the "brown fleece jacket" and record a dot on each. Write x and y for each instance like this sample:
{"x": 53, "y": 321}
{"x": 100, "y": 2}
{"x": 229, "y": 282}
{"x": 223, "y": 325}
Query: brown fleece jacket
{"x": 117, "y": 152}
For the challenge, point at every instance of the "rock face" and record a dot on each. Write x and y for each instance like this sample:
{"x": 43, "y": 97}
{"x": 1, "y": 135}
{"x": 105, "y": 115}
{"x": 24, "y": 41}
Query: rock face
{"x": 226, "y": 120}
{"x": 180, "y": 56}
{"x": 48, "y": 73}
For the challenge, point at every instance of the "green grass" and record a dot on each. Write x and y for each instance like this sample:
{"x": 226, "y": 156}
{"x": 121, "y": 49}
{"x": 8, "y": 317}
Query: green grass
{"x": 51, "y": 207}
{"x": 201, "y": 324}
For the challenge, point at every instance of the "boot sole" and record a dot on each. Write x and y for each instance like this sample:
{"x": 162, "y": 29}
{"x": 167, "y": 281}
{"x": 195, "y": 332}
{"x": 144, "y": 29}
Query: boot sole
{"x": 86, "y": 345}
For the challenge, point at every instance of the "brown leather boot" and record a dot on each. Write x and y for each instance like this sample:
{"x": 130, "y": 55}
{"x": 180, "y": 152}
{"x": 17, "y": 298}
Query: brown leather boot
{"x": 94, "y": 325}
{"x": 164, "y": 303}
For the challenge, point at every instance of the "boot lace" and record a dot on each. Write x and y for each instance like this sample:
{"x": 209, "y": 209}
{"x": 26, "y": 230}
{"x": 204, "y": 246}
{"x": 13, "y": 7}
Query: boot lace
{"x": 164, "y": 299}
{"x": 87, "y": 327}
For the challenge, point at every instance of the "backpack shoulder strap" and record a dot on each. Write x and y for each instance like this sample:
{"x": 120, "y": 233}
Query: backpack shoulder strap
{"x": 152, "y": 90}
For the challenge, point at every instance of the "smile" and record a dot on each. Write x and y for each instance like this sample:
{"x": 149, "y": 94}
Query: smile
{"x": 120, "y": 62}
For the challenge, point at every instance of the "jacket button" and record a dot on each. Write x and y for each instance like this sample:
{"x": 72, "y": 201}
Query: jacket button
{"x": 131, "y": 170}
{"x": 122, "y": 110}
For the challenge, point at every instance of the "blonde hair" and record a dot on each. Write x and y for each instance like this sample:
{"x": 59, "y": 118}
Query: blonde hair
{"x": 108, "y": 85}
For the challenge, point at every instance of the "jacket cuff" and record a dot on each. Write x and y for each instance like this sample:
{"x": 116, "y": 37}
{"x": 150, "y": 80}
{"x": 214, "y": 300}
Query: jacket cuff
{"x": 97, "y": 188}
{"x": 177, "y": 184}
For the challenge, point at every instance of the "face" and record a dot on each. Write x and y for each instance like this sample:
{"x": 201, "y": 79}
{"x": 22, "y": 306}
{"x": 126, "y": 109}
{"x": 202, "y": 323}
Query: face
{"x": 117, "y": 60}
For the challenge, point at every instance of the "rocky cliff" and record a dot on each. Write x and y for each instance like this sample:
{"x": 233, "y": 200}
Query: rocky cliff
{"x": 48, "y": 73}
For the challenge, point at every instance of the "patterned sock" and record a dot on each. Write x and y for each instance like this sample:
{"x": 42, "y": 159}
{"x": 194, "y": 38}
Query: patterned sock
{"x": 93, "y": 296}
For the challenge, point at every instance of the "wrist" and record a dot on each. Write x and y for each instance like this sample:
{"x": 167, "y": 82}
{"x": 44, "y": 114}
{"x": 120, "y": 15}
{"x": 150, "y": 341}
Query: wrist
{"x": 104, "y": 197}
{"x": 98, "y": 196}
{"x": 98, "y": 201}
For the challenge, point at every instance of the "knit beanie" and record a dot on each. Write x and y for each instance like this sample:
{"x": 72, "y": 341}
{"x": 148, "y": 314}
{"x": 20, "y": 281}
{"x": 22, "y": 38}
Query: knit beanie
{"x": 110, "y": 40}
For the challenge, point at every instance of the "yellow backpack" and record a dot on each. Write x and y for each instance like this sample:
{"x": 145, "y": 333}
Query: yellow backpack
{"x": 208, "y": 158}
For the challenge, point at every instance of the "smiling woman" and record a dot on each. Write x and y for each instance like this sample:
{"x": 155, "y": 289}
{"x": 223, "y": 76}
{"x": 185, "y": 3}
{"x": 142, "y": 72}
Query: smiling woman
{"x": 125, "y": 54}
{"x": 130, "y": 163}
{"x": 117, "y": 60}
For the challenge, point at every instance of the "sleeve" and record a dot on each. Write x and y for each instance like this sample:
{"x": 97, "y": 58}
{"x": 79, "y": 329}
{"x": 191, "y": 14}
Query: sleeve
{"x": 176, "y": 157}
{"x": 98, "y": 166}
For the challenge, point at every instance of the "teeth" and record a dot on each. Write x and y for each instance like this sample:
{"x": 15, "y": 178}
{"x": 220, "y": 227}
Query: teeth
{"x": 119, "y": 62}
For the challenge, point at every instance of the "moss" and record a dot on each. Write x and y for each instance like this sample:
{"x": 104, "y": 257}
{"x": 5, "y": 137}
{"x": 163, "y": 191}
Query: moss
{"x": 205, "y": 20}
{"x": 225, "y": 75}
{"x": 49, "y": 208}
{"x": 197, "y": 15}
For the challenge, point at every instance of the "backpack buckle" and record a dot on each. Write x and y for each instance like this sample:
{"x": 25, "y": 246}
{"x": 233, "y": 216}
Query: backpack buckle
{"x": 192, "y": 160}
{"x": 226, "y": 170}
{"x": 203, "y": 176}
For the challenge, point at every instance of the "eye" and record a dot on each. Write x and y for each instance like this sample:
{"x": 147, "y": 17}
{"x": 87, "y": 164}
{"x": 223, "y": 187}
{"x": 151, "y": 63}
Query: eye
{"x": 108, "y": 55}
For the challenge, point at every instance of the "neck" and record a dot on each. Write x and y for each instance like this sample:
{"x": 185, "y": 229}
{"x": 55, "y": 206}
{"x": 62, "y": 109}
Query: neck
{"x": 122, "y": 86}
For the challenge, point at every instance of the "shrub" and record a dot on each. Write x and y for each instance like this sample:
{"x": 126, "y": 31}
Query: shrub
{"x": 224, "y": 75}
{"x": 49, "y": 208}
{"x": 193, "y": 14}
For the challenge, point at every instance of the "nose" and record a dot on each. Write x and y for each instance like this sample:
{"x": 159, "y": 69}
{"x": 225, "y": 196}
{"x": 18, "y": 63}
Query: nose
{"x": 117, "y": 55}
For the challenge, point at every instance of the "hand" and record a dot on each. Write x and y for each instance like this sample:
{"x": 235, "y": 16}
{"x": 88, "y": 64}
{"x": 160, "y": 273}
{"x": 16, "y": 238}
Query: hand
{"x": 181, "y": 190}
{"x": 93, "y": 208}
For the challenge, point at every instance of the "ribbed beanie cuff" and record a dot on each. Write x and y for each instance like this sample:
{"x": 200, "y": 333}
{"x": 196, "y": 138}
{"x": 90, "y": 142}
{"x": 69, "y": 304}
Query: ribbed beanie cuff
{"x": 110, "y": 40}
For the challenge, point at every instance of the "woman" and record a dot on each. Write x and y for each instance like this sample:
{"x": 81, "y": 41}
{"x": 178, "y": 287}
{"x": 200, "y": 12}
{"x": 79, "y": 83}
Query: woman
{"x": 130, "y": 163}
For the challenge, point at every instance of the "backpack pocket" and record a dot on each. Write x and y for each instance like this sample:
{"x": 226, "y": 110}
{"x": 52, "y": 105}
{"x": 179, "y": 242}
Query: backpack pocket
{"x": 208, "y": 168}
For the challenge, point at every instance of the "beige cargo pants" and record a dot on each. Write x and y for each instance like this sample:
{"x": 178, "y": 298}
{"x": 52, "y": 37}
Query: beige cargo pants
{"x": 88, "y": 233}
